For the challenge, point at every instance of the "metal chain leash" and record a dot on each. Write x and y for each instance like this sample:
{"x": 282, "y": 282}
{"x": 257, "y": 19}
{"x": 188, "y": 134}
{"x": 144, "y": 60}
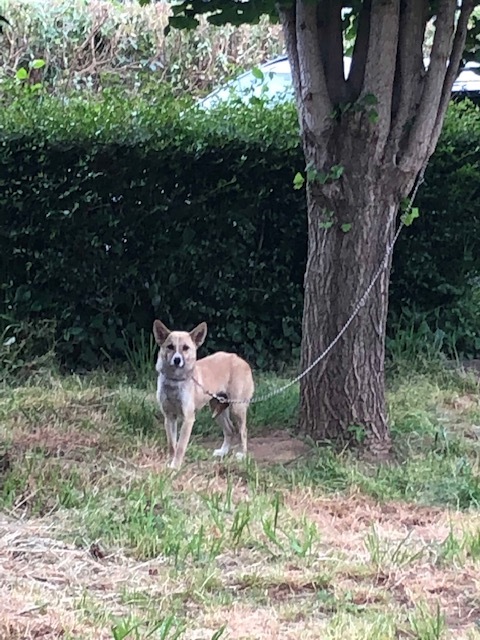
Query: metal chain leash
{"x": 356, "y": 310}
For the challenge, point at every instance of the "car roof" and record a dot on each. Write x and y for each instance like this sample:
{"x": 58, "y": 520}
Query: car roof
{"x": 467, "y": 74}
{"x": 281, "y": 64}
{"x": 278, "y": 65}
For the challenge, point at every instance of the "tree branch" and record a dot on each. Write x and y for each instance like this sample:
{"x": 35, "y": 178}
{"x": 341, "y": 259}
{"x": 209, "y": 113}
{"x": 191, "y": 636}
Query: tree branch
{"x": 299, "y": 22}
{"x": 313, "y": 99}
{"x": 421, "y": 131}
{"x": 329, "y": 21}
{"x": 360, "y": 50}
{"x": 452, "y": 70}
{"x": 381, "y": 62}
{"x": 410, "y": 67}
{"x": 288, "y": 20}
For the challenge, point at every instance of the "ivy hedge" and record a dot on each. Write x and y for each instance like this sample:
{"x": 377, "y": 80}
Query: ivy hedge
{"x": 113, "y": 212}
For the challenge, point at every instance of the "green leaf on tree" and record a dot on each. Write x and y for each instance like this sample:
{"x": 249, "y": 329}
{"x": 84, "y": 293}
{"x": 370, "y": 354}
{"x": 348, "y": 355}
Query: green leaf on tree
{"x": 336, "y": 171}
{"x": 409, "y": 216}
{"x": 370, "y": 100}
{"x": 298, "y": 181}
{"x": 257, "y": 73}
{"x": 328, "y": 224}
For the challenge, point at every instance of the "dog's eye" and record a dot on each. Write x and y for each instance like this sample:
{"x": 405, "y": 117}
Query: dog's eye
{"x": 170, "y": 347}
{"x": 186, "y": 347}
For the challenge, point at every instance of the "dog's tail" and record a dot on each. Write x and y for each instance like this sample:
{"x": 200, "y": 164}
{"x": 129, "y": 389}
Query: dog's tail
{"x": 218, "y": 407}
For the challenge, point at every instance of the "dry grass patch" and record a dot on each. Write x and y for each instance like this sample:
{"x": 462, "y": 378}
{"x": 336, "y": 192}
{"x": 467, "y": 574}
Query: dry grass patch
{"x": 349, "y": 519}
{"x": 45, "y": 579}
{"x": 96, "y": 534}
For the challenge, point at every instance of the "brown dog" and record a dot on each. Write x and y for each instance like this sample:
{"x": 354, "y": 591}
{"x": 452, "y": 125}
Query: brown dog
{"x": 183, "y": 382}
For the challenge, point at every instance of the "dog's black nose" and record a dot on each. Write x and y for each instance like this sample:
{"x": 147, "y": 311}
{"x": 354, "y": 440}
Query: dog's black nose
{"x": 177, "y": 361}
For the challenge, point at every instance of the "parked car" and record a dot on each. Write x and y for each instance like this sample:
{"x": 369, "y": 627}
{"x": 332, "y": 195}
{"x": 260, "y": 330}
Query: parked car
{"x": 273, "y": 81}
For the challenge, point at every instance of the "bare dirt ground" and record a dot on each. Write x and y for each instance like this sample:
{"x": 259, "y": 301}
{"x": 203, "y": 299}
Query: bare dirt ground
{"x": 42, "y": 576}
{"x": 373, "y": 564}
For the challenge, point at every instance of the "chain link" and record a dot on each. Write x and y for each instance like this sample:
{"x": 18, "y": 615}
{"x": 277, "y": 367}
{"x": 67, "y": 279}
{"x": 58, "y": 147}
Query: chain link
{"x": 361, "y": 302}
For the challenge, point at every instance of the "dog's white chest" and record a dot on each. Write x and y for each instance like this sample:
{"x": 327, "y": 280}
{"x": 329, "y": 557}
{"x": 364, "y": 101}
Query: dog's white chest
{"x": 174, "y": 396}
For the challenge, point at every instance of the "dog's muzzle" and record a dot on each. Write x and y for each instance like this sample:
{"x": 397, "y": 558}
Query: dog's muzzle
{"x": 177, "y": 360}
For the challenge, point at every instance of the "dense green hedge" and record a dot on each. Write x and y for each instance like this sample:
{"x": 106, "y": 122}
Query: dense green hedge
{"x": 115, "y": 212}
{"x": 437, "y": 260}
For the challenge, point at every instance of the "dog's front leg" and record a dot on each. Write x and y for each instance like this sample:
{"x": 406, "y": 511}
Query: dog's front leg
{"x": 171, "y": 431}
{"x": 185, "y": 432}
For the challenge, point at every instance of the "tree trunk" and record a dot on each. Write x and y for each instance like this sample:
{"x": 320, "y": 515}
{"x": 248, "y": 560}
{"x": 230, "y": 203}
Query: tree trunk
{"x": 351, "y": 221}
{"x": 365, "y": 140}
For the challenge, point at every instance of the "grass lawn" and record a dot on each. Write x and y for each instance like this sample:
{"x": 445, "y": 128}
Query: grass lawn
{"x": 98, "y": 540}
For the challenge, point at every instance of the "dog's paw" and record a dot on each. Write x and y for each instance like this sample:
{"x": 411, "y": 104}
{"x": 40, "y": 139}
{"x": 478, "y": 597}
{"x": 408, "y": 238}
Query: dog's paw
{"x": 240, "y": 455}
{"x": 173, "y": 465}
{"x": 221, "y": 453}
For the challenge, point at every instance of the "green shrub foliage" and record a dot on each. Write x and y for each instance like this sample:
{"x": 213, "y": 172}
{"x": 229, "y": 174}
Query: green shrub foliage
{"x": 118, "y": 211}
{"x": 436, "y": 266}
{"x": 92, "y": 45}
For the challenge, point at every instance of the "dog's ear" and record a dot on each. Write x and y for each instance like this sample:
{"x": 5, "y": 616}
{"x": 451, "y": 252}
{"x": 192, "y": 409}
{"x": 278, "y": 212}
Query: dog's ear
{"x": 199, "y": 334}
{"x": 160, "y": 332}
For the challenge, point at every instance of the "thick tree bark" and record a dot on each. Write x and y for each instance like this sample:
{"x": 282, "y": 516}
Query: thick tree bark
{"x": 381, "y": 145}
{"x": 351, "y": 221}
{"x": 345, "y": 393}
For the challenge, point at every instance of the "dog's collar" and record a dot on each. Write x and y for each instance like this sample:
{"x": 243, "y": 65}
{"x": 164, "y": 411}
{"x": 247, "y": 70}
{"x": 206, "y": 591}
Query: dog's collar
{"x": 174, "y": 379}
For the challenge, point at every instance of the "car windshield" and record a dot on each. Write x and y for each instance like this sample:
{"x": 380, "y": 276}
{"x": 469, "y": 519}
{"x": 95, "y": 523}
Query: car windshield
{"x": 273, "y": 81}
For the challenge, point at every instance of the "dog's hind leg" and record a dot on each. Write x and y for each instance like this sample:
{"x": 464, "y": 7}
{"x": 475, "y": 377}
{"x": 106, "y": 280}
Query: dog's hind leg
{"x": 239, "y": 417}
{"x": 224, "y": 420}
